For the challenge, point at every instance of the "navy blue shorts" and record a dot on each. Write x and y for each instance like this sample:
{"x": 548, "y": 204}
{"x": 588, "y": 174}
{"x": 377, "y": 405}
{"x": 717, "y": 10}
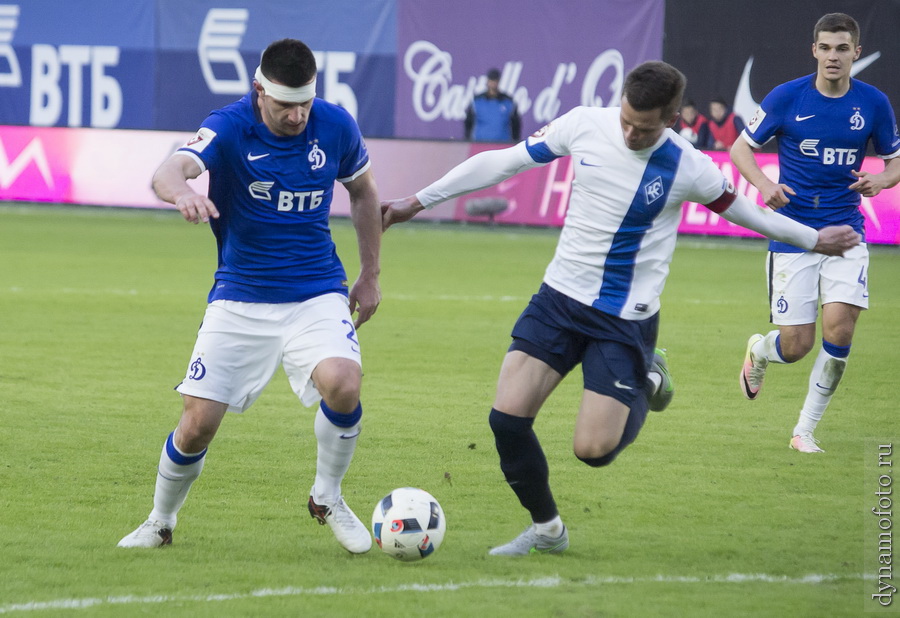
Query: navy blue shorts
{"x": 615, "y": 354}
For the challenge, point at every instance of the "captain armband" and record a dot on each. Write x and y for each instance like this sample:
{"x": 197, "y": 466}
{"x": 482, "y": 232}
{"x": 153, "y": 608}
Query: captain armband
{"x": 721, "y": 203}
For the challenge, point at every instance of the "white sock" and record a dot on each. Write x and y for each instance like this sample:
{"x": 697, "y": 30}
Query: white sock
{"x": 768, "y": 348}
{"x": 336, "y": 445}
{"x": 174, "y": 480}
{"x": 823, "y": 381}
{"x": 553, "y": 528}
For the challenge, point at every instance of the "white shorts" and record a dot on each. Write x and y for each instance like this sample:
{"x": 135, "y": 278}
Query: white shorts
{"x": 800, "y": 282}
{"x": 240, "y": 346}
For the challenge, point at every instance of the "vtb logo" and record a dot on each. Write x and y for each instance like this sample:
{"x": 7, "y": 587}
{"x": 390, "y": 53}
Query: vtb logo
{"x": 220, "y": 40}
{"x": 830, "y": 156}
{"x": 9, "y": 23}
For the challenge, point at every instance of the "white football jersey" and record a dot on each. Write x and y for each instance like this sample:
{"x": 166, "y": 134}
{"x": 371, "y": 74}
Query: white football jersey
{"x": 625, "y": 206}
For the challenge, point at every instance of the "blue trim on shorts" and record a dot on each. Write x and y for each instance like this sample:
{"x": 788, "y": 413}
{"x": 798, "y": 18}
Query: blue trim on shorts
{"x": 178, "y": 457}
{"x": 342, "y": 420}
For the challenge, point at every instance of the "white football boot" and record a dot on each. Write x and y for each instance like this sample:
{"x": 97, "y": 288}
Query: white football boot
{"x": 149, "y": 534}
{"x": 351, "y": 533}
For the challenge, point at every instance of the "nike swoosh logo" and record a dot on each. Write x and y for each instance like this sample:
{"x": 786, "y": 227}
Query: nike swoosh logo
{"x": 253, "y": 157}
{"x": 824, "y": 388}
{"x": 346, "y": 437}
{"x": 586, "y": 164}
{"x": 618, "y": 384}
{"x": 800, "y": 118}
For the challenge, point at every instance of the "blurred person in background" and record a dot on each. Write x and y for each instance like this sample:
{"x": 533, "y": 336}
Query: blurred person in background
{"x": 492, "y": 116}
{"x": 692, "y": 125}
{"x": 724, "y": 125}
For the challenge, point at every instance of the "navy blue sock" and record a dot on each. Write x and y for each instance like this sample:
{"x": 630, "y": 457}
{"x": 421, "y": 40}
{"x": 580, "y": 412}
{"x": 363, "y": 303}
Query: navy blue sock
{"x": 523, "y": 464}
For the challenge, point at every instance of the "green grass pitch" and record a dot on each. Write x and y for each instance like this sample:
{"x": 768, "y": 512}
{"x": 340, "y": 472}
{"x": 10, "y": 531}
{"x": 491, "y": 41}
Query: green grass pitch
{"x": 707, "y": 514}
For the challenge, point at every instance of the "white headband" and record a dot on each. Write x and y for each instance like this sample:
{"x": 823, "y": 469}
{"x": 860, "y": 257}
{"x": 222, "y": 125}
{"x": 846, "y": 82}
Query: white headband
{"x": 286, "y": 93}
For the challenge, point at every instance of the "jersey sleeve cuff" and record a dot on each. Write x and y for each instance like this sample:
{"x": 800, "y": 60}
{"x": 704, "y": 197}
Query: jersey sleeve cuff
{"x": 750, "y": 140}
{"x": 194, "y": 156}
{"x": 356, "y": 174}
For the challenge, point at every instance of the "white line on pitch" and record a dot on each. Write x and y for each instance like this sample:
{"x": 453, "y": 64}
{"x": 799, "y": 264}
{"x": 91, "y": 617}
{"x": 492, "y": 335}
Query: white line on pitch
{"x": 543, "y": 582}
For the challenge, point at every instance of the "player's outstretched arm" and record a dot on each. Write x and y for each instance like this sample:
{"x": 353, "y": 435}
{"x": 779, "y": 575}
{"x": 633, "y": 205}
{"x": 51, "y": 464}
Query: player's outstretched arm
{"x": 836, "y": 240}
{"x": 829, "y": 240}
{"x": 479, "y": 171}
{"x": 399, "y": 211}
{"x": 170, "y": 184}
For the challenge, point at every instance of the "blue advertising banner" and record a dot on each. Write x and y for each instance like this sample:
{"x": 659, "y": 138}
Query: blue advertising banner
{"x": 164, "y": 64}
{"x": 209, "y": 50}
{"x": 77, "y": 63}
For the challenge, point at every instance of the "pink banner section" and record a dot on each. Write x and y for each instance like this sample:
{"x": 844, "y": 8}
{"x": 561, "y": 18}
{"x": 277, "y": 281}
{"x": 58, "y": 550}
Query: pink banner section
{"x": 85, "y": 166}
{"x": 882, "y": 212}
{"x": 114, "y": 168}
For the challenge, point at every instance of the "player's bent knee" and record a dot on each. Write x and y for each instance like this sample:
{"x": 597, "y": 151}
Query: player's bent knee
{"x": 599, "y": 462}
{"x": 585, "y": 450}
{"x": 339, "y": 381}
{"x": 199, "y": 423}
{"x": 598, "y": 453}
{"x": 342, "y": 399}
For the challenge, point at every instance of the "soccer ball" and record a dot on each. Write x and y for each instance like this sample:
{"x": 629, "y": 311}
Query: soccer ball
{"x": 408, "y": 524}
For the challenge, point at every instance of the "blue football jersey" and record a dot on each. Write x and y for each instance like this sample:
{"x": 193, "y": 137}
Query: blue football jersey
{"x": 820, "y": 141}
{"x": 274, "y": 197}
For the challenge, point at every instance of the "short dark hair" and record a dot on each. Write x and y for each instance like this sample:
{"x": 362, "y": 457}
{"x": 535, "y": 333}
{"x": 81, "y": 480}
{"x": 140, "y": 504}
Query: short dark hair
{"x": 655, "y": 85}
{"x": 289, "y": 62}
{"x": 837, "y": 22}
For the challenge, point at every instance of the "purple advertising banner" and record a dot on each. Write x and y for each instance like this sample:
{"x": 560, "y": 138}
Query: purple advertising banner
{"x": 552, "y": 57}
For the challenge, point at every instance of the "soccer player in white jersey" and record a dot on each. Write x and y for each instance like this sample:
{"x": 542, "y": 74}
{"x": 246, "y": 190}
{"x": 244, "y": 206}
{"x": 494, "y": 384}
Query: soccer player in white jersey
{"x": 280, "y": 294}
{"x": 823, "y": 124}
{"x": 599, "y": 302}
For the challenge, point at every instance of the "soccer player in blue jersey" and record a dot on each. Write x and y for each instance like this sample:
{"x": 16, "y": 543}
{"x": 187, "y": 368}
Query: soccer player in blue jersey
{"x": 823, "y": 124}
{"x": 600, "y": 300}
{"x": 280, "y": 295}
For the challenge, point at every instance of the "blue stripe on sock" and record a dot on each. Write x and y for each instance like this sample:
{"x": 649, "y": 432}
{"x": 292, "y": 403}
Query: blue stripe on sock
{"x": 837, "y": 351}
{"x": 342, "y": 420}
{"x": 180, "y": 458}
{"x": 778, "y": 347}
